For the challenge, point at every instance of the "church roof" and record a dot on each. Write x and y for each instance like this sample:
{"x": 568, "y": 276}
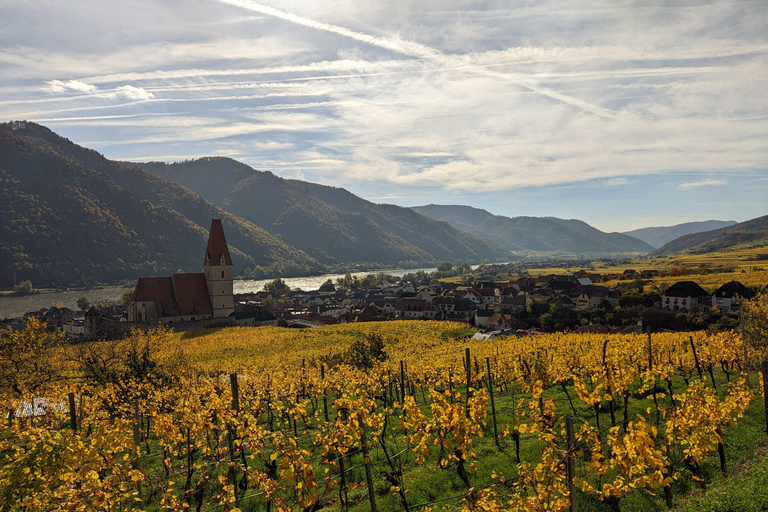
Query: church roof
{"x": 160, "y": 291}
{"x": 192, "y": 294}
{"x": 217, "y": 246}
{"x": 179, "y": 294}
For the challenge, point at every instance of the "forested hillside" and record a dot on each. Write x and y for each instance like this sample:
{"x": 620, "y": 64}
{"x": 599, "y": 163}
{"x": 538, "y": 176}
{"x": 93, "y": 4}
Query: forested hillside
{"x": 658, "y": 236}
{"x": 70, "y": 216}
{"x": 751, "y": 232}
{"x": 538, "y": 234}
{"x": 329, "y": 223}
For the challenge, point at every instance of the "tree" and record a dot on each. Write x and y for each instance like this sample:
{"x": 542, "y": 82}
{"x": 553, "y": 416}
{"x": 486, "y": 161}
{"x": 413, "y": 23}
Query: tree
{"x": 83, "y": 303}
{"x": 277, "y": 287}
{"x": 445, "y": 266}
{"x": 23, "y": 288}
{"x": 28, "y": 358}
{"x": 127, "y": 296}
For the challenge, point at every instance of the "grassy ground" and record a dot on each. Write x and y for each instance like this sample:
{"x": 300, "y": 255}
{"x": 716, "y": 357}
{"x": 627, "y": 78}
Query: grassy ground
{"x": 744, "y": 490}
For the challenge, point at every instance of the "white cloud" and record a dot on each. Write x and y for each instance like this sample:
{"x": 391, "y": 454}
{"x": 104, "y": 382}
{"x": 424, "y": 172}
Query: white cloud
{"x": 437, "y": 97}
{"x": 70, "y": 85}
{"x": 134, "y": 93}
{"x": 702, "y": 183}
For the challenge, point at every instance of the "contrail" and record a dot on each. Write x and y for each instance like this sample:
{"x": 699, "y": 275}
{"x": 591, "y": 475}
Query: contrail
{"x": 403, "y": 47}
{"x": 417, "y": 50}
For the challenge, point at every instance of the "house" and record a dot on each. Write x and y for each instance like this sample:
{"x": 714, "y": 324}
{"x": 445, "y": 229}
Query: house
{"x": 481, "y": 318}
{"x": 516, "y": 303}
{"x": 178, "y": 298}
{"x": 591, "y": 329}
{"x": 725, "y": 297}
{"x": 501, "y": 321}
{"x": 686, "y": 296}
{"x": 326, "y": 289}
{"x": 410, "y": 308}
{"x": 254, "y": 316}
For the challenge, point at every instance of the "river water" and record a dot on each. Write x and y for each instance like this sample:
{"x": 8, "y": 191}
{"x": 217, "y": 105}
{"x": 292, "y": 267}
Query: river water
{"x": 12, "y": 307}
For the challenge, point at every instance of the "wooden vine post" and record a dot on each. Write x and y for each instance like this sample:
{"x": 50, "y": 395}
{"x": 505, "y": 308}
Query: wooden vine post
{"x": 72, "y": 412}
{"x": 764, "y": 369}
{"x": 493, "y": 405}
{"x": 137, "y": 442}
{"x": 231, "y": 437}
{"x": 368, "y": 475}
{"x": 570, "y": 462}
{"x": 402, "y": 383}
{"x": 468, "y": 366}
{"x": 325, "y": 393}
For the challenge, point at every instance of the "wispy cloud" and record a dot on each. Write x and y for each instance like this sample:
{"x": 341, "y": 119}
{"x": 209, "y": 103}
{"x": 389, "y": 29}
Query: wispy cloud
{"x": 702, "y": 183}
{"x": 413, "y": 100}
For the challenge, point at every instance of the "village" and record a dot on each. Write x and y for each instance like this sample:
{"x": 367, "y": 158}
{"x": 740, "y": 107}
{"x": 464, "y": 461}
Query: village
{"x": 523, "y": 306}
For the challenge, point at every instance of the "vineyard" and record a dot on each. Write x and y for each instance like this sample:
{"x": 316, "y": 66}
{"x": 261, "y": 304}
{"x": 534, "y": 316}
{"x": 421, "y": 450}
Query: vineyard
{"x": 395, "y": 416}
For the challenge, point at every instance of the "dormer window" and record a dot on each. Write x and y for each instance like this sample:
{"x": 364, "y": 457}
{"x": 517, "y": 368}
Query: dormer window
{"x": 221, "y": 260}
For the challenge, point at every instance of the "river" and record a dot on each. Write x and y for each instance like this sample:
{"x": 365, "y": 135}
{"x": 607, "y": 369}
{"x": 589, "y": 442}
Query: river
{"x": 12, "y": 307}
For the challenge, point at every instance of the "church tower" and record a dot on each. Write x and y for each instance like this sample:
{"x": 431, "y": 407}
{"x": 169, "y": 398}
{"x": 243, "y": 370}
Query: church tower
{"x": 218, "y": 272}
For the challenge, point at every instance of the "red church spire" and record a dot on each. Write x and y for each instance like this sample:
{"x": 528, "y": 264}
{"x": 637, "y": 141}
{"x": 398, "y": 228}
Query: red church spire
{"x": 217, "y": 253}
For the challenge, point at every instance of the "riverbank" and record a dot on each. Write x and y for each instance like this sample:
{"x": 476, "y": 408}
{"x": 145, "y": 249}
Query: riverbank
{"x": 16, "y": 306}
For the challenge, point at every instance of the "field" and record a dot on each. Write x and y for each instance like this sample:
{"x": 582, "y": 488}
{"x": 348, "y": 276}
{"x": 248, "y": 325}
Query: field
{"x": 709, "y": 270}
{"x": 393, "y": 414}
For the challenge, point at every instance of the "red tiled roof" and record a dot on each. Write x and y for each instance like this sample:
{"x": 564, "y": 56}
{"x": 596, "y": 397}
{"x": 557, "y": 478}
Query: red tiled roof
{"x": 192, "y": 294}
{"x": 160, "y": 291}
{"x": 591, "y": 329}
{"x": 217, "y": 246}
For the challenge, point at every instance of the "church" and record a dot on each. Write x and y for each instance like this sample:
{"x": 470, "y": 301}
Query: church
{"x": 205, "y": 298}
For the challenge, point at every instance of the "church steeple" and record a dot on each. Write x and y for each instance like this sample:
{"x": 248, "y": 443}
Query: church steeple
{"x": 217, "y": 268}
{"x": 217, "y": 253}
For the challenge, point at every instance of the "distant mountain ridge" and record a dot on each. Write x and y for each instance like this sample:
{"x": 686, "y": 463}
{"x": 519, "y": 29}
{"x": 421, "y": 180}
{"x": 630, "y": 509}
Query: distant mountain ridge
{"x": 70, "y": 216}
{"x": 754, "y": 231}
{"x": 329, "y": 223}
{"x": 538, "y": 234}
{"x": 658, "y": 236}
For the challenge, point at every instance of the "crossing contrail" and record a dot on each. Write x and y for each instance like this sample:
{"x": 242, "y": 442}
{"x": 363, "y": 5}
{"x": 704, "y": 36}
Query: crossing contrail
{"x": 419, "y": 51}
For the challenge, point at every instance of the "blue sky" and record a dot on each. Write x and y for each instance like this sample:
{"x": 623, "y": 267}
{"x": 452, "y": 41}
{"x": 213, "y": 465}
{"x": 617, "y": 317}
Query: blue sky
{"x": 623, "y": 114}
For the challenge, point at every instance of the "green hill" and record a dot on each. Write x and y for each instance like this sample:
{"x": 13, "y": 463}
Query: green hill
{"x": 329, "y": 223}
{"x": 541, "y": 235}
{"x": 749, "y": 233}
{"x": 658, "y": 236}
{"x": 70, "y": 216}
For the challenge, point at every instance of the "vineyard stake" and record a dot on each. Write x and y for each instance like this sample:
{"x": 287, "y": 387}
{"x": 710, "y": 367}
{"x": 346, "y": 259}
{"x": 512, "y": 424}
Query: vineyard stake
{"x": 493, "y": 405}
{"x": 570, "y": 462}
{"x": 696, "y": 358}
{"x": 402, "y": 383}
{"x": 368, "y": 477}
{"x": 764, "y": 369}
{"x": 72, "y": 412}
{"x": 744, "y": 340}
{"x": 137, "y": 441}
{"x": 343, "y": 488}
{"x": 469, "y": 379}
{"x": 230, "y": 437}
{"x": 325, "y": 392}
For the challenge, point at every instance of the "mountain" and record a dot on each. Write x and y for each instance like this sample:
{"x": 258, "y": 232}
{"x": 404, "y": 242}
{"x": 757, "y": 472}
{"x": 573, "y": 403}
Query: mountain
{"x": 331, "y": 224}
{"x": 548, "y": 235}
{"x": 658, "y": 236}
{"x": 753, "y": 232}
{"x": 68, "y": 215}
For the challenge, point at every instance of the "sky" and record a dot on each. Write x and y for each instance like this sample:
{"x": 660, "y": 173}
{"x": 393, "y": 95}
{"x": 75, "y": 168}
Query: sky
{"x": 619, "y": 113}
